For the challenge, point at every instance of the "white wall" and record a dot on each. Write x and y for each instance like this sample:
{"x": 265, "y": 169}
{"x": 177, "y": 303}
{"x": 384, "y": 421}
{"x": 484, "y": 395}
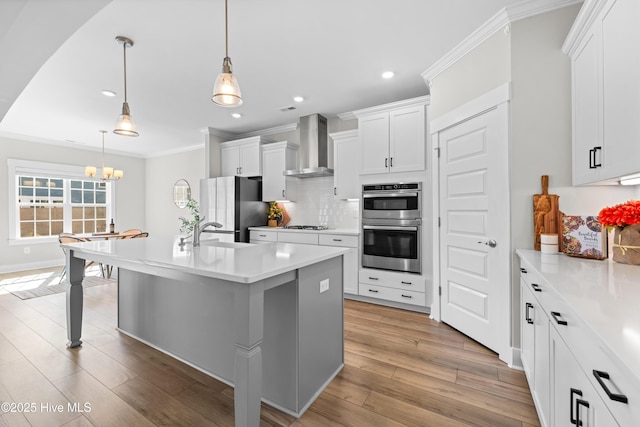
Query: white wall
{"x": 162, "y": 214}
{"x": 130, "y": 212}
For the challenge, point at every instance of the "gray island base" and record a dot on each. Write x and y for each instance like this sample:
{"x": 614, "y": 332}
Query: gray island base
{"x": 252, "y": 316}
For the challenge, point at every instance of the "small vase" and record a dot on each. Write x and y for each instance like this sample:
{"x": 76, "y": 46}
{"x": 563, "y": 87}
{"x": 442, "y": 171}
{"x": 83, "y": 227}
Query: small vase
{"x": 626, "y": 244}
{"x": 272, "y": 222}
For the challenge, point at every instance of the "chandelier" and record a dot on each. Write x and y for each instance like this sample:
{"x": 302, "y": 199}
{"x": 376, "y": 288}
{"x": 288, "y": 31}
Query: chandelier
{"x": 108, "y": 173}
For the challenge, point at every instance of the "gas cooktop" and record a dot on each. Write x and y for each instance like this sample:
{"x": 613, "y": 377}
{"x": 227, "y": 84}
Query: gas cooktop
{"x": 306, "y": 227}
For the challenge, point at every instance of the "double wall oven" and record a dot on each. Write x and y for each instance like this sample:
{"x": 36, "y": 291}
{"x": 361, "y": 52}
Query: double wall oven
{"x": 391, "y": 227}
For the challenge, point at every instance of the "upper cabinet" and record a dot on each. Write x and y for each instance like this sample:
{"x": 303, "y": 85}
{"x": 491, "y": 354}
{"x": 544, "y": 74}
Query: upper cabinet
{"x": 241, "y": 157}
{"x": 393, "y": 136}
{"x": 277, "y": 158}
{"x": 605, "y": 63}
{"x": 346, "y": 164}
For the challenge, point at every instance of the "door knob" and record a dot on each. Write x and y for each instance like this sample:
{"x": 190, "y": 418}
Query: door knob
{"x": 491, "y": 243}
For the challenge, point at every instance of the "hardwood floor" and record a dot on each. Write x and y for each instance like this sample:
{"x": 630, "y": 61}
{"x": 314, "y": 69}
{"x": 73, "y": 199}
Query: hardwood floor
{"x": 401, "y": 369}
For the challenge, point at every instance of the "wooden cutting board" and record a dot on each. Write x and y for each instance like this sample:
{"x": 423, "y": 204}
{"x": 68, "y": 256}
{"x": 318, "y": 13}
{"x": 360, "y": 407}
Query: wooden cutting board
{"x": 547, "y": 217}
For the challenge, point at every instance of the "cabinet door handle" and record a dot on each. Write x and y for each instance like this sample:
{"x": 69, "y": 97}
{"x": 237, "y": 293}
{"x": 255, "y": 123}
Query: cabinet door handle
{"x": 536, "y": 287}
{"x": 391, "y": 162}
{"x": 283, "y": 194}
{"x": 337, "y": 240}
{"x": 262, "y": 235}
{"x": 592, "y": 159}
{"x": 601, "y": 376}
{"x": 580, "y": 402}
{"x": 571, "y": 393}
{"x": 595, "y": 151}
{"x": 406, "y": 283}
{"x": 375, "y": 291}
{"x": 335, "y": 193}
{"x": 526, "y": 313}
{"x": 523, "y": 270}
{"x": 385, "y": 163}
{"x": 373, "y": 278}
{"x": 556, "y": 317}
{"x": 406, "y": 296}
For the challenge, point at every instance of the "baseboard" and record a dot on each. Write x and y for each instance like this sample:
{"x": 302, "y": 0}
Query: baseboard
{"x": 30, "y": 266}
{"x": 516, "y": 361}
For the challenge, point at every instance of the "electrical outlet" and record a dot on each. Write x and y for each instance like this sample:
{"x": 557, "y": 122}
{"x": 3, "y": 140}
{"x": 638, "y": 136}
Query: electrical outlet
{"x": 324, "y": 285}
{"x": 27, "y": 250}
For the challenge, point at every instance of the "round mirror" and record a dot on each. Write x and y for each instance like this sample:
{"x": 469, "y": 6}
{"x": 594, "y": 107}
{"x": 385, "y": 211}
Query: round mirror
{"x": 181, "y": 193}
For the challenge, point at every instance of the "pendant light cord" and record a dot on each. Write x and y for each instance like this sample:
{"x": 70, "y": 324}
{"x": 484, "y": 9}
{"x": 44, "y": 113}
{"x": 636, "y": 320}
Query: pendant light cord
{"x": 102, "y": 172}
{"x": 226, "y": 29}
{"x": 124, "y": 46}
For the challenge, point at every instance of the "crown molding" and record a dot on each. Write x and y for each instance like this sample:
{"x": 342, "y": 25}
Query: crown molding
{"x": 345, "y": 134}
{"x": 175, "y": 151}
{"x": 586, "y": 17}
{"x": 219, "y": 133}
{"x": 424, "y": 100}
{"x": 270, "y": 131}
{"x": 499, "y": 21}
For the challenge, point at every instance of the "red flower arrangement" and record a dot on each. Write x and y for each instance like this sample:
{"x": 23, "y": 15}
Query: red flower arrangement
{"x": 620, "y": 215}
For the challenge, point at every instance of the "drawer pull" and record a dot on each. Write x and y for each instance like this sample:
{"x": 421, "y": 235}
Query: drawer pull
{"x": 406, "y": 296}
{"x": 536, "y": 287}
{"x": 580, "y": 402}
{"x": 337, "y": 240}
{"x": 262, "y": 235}
{"x": 373, "y": 278}
{"x": 524, "y": 270}
{"x": 571, "y": 393}
{"x": 556, "y": 317}
{"x": 601, "y": 376}
{"x": 406, "y": 283}
{"x": 526, "y": 313}
{"x": 375, "y": 291}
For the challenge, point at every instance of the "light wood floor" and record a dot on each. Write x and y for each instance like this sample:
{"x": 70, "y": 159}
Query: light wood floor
{"x": 401, "y": 369}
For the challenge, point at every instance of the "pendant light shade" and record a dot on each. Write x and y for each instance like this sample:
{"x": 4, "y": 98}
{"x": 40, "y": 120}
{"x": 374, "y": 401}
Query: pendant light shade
{"x": 226, "y": 91}
{"x": 125, "y": 124}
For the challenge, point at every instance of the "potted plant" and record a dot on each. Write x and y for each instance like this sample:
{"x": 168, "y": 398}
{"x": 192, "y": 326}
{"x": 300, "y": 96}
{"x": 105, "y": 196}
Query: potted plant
{"x": 624, "y": 218}
{"x": 186, "y": 224}
{"x": 274, "y": 213}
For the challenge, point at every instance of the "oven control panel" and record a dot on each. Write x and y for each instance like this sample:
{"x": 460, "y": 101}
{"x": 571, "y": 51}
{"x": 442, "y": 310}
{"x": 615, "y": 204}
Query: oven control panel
{"x": 391, "y": 187}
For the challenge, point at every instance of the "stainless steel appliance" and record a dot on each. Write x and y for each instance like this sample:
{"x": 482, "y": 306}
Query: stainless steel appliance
{"x": 391, "y": 227}
{"x": 235, "y": 202}
{"x": 392, "y": 201}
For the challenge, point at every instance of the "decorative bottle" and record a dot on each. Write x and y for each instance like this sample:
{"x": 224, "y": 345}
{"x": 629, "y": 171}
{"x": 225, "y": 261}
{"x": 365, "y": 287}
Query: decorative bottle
{"x": 112, "y": 227}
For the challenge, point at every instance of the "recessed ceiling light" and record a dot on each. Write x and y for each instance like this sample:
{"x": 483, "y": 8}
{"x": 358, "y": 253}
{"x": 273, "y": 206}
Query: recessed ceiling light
{"x": 387, "y": 74}
{"x": 298, "y": 98}
{"x": 236, "y": 115}
{"x": 108, "y": 93}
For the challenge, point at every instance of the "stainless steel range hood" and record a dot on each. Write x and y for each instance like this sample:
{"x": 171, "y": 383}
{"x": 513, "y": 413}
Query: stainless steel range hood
{"x": 313, "y": 155}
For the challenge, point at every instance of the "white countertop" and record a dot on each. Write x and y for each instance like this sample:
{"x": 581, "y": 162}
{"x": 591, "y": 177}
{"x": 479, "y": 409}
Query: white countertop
{"x": 342, "y": 231}
{"x": 605, "y": 295}
{"x": 237, "y": 262}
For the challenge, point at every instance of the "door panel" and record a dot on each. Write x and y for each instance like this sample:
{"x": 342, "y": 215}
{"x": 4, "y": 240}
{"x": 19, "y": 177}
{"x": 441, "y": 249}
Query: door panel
{"x": 474, "y": 210}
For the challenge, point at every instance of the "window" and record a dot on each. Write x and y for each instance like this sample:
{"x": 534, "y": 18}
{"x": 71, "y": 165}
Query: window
{"x": 49, "y": 199}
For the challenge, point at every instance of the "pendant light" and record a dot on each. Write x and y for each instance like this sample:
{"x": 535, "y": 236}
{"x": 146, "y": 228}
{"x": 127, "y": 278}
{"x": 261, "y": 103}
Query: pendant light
{"x": 125, "y": 124}
{"x": 107, "y": 173}
{"x": 226, "y": 91}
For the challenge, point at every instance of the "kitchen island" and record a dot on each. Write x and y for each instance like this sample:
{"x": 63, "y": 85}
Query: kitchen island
{"x": 267, "y": 319}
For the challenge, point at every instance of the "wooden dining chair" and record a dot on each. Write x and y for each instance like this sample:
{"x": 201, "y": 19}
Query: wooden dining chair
{"x": 70, "y": 238}
{"x": 137, "y": 236}
{"x": 131, "y": 232}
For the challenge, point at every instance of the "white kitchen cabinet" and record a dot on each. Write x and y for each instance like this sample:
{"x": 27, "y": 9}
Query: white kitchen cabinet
{"x": 346, "y": 165}
{"x": 393, "y": 137}
{"x": 605, "y": 62}
{"x": 576, "y": 401}
{"x": 241, "y": 157}
{"x": 351, "y": 264}
{"x": 277, "y": 158}
{"x": 393, "y": 286}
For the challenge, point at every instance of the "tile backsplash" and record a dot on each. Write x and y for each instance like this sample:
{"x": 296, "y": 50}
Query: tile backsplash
{"x": 313, "y": 204}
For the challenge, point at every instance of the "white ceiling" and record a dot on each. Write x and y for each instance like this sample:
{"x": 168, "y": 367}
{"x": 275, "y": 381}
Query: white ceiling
{"x": 331, "y": 52}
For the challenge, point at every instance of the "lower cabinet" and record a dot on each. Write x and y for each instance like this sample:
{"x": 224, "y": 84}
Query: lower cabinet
{"x": 392, "y": 286}
{"x": 350, "y": 273}
{"x": 576, "y": 401}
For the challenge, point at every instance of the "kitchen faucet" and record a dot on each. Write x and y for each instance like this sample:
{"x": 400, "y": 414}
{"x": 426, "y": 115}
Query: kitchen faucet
{"x": 197, "y": 229}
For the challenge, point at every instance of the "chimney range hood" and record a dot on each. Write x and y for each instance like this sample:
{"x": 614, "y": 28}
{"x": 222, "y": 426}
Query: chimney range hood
{"x": 313, "y": 153}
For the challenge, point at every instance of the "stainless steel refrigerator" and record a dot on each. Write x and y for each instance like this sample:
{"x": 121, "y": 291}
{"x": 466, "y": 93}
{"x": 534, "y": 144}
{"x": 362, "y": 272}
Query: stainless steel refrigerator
{"x": 235, "y": 202}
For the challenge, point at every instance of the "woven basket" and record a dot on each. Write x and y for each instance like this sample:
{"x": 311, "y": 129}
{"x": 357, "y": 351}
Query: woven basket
{"x": 626, "y": 245}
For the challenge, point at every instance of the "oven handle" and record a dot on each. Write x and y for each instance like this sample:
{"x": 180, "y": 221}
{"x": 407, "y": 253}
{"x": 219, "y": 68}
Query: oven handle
{"x": 396, "y": 194}
{"x": 389, "y": 227}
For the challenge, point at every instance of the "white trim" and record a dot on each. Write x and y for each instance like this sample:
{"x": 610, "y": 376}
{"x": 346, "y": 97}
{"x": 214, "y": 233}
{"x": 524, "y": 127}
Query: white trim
{"x": 176, "y": 151}
{"x": 472, "y": 108}
{"x": 345, "y": 134}
{"x": 421, "y": 100}
{"x": 31, "y": 266}
{"x": 582, "y": 24}
{"x": 217, "y": 132}
{"x": 269, "y": 131}
{"x": 496, "y": 23}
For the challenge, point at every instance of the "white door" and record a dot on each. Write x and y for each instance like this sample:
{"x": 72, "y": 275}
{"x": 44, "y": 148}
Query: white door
{"x": 474, "y": 231}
